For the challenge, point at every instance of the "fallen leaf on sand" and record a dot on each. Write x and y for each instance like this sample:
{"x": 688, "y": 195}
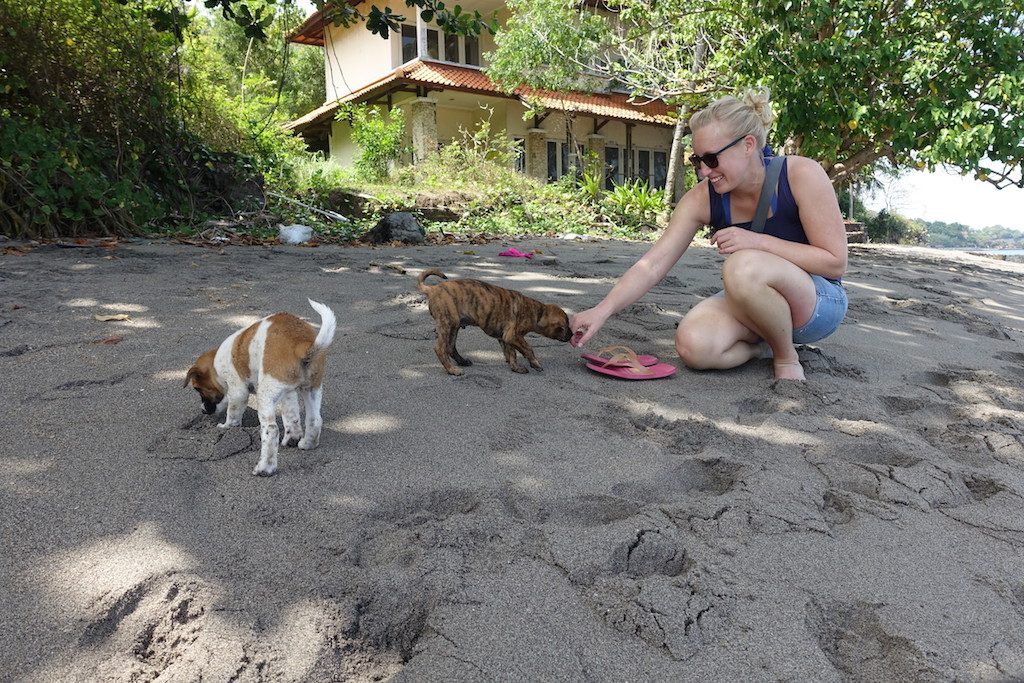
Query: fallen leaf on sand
{"x": 110, "y": 341}
{"x": 108, "y": 318}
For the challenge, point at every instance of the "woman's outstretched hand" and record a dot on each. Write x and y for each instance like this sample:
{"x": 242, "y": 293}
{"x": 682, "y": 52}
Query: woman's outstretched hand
{"x": 585, "y": 325}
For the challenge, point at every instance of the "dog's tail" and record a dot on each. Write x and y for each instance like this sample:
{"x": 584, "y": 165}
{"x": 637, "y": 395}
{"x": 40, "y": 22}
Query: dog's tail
{"x": 327, "y": 325}
{"x": 424, "y": 275}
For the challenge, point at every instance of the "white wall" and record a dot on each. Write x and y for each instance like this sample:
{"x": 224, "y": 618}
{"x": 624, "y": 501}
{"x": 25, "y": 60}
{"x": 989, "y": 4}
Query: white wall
{"x": 354, "y": 57}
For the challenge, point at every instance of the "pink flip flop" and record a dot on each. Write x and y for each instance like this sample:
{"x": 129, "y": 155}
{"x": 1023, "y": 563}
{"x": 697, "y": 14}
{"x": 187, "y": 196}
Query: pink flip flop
{"x": 627, "y": 372}
{"x": 618, "y": 356}
{"x": 515, "y": 253}
{"x": 617, "y": 363}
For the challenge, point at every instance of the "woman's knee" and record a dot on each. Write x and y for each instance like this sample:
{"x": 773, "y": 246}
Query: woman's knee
{"x": 744, "y": 270}
{"x": 694, "y": 347}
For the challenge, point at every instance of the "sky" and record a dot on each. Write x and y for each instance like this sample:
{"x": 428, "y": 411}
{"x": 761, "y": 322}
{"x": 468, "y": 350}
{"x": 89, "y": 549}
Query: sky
{"x": 947, "y": 196}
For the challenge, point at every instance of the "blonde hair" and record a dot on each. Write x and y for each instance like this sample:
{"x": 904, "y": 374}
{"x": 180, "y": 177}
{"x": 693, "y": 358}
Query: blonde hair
{"x": 750, "y": 114}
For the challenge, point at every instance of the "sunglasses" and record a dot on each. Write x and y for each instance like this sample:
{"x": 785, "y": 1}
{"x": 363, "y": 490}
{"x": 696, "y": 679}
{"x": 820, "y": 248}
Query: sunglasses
{"x": 711, "y": 158}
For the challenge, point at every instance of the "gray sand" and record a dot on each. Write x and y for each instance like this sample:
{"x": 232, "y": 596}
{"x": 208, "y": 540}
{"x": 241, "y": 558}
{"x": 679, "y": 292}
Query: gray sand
{"x": 560, "y": 525}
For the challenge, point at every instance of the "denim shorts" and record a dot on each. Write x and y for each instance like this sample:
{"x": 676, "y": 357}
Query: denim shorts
{"x": 829, "y": 311}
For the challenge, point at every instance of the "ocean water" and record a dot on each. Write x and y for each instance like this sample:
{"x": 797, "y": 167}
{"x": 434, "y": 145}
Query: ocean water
{"x": 1002, "y": 252}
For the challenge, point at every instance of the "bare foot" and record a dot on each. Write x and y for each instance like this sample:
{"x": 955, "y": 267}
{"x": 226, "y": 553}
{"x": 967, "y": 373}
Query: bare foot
{"x": 789, "y": 369}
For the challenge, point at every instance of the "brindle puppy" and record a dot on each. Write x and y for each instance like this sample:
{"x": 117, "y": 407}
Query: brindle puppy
{"x": 502, "y": 313}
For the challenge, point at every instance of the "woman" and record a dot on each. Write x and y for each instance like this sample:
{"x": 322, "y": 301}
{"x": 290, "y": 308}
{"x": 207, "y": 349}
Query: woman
{"x": 782, "y": 286}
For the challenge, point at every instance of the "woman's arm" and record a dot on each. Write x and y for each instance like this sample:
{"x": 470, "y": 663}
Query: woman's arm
{"x": 815, "y": 197}
{"x": 690, "y": 213}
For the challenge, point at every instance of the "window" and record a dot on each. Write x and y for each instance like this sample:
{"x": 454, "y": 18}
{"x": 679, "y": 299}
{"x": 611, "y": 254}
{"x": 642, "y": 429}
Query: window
{"x": 612, "y": 166}
{"x": 659, "y": 170}
{"x": 562, "y": 160}
{"x": 651, "y": 166}
{"x": 408, "y": 43}
{"x": 553, "y": 173}
{"x": 472, "y": 44}
{"x": 432, "y": 44}
{"x": 643, "y": 164}
{"x": 451, "y": 47}
{"x": 457, "y": 49}
{"x": 520, "y": 160}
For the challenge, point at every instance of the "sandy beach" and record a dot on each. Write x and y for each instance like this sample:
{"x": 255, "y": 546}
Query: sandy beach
{"x": 867, "y": 525}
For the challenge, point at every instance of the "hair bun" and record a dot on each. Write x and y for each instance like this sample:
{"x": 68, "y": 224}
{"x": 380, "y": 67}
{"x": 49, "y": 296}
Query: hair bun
{"x": 759, "y": 99}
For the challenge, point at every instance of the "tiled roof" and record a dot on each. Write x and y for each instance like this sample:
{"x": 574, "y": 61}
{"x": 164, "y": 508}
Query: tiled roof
{"x": 311, "y": 31}
{"x": 467, "y": 79}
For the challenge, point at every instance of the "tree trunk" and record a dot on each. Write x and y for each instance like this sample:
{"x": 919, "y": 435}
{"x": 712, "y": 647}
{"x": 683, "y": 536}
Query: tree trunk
{"x": 674, "y": 185}
{"x": 674, "y": 188}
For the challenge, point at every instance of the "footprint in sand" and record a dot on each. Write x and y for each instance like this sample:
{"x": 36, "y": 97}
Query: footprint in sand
{"x": 201, "y": 439}
{"x": 816, "y": 361}
{"x": 650, "y": 552}
{"x": 905, "y": 405}
{"x": 693, "y": 477}
{"x": 81, "y": 388}
{"x": 590, "y": 511}
{"x": 751, "y": 412}
{"x": 672, "y": 607}
{"x": 863, "y": 648}
{"x": 163, "y": 619}
{"x": 484, "y": 381}
{"x": 649, "y": 316}
{"x": 1016, "y": 358}
{"x": 412, "y": 329}
{"x": 676, "y": 436}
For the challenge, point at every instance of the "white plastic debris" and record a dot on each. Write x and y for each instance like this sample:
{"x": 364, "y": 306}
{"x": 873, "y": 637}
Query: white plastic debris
{"x": 295, "y": 233}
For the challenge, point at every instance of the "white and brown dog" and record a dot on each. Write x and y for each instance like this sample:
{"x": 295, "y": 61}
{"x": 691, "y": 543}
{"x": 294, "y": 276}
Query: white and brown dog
{"x": 278, "y": 357}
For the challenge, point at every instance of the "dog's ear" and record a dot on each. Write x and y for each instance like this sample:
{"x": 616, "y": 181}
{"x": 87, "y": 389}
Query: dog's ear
{"x": 189, "y": 375}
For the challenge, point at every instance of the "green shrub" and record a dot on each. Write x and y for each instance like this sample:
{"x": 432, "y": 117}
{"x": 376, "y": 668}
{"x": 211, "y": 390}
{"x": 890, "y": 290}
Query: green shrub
{"x": 379, "y": 138}
{"x": 634, "y": 204}
{"x": 894, "y": 229}
{"x": 110, "y": 127}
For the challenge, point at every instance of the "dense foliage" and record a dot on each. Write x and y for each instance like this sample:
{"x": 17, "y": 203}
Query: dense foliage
{"x": 88, "y": 120}
{"x": 108, "y": 126}
{"x": 474, "y": 178}
{"x": 854, "y": 82}
{"x": 942, "y": 234}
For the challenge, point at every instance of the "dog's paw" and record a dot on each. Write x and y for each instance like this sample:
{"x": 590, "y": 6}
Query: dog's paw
{"x": 455, "y": 372}
{"x": 307, "y": 444}
{"x": 519, "y": 369}
{"x": 291, "y": 438}
{"x": 229, "y": 425}
{"x": 264, "y": 470}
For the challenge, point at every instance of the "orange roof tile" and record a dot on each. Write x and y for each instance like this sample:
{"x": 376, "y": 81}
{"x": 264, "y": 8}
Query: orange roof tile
{"x": 311, "y": 31}
{"x": 469, "y": 79}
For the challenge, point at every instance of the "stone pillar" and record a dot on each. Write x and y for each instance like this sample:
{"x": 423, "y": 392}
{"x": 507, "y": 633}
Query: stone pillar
{"x": 423, "y": 125}
{"x": 537, "y": 153}
{"x": 595, "y": 156}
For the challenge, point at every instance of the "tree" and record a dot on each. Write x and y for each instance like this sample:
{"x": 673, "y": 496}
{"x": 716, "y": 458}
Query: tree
{"x": 942, "y": 234}
{"x": 854, "y": 82}
{"x": 919, "y": 84}
{"x": 893, "y": 228}
{"x": 255, "y": 16}
{"x": 655, "y": 50}
{"x": 294, "y": 77}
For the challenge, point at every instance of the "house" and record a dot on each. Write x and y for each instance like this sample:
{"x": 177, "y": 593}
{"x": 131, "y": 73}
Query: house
{"x": 434, "y": 80}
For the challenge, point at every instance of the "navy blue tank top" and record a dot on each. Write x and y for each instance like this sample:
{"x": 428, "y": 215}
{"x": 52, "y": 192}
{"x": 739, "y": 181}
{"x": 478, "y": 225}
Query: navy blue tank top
{"x": 784, "y": 222}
